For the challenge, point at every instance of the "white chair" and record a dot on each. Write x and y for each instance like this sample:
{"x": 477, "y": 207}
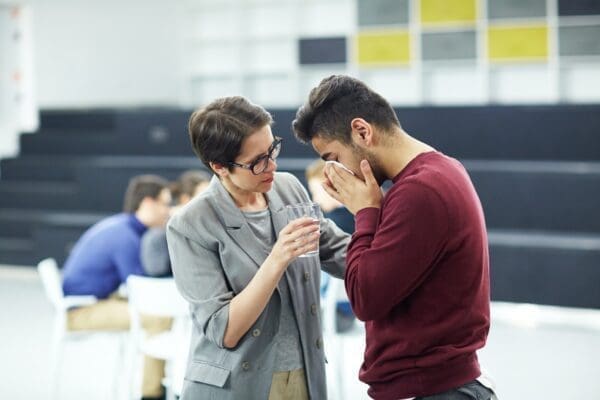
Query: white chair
{"x": 334, "y": 341}
{"x": 52, "y": 283}
{"x": 156, "y": 297}
{"x": 180, "y": 359}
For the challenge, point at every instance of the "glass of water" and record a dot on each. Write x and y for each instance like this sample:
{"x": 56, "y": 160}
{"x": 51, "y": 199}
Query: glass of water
{"x": 310, "y": 210}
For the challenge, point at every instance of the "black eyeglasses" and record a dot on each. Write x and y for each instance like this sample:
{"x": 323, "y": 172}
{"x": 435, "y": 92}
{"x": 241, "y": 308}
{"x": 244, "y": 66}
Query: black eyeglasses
{"x": 259, "y": 165}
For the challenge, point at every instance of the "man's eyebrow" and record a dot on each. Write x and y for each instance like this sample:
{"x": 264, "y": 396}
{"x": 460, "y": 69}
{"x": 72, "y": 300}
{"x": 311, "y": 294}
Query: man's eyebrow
{"x": 325, "y": 156}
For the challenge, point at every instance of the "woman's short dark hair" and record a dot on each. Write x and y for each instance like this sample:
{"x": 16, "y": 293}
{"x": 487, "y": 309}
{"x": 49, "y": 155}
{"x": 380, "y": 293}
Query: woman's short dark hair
{"x": 140, "y": 187}
{"x": 334, "y": 103}
{"x": 218, "y": 129}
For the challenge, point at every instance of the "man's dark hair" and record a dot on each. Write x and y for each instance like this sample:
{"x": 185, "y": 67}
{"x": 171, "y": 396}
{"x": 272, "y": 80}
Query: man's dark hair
{"x": 334, "y": 103}
{"x": 140, "y": 187}
{"x": 218, "y": 129}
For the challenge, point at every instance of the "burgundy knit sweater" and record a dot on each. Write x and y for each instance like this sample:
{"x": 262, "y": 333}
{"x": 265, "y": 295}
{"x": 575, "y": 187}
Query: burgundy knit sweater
{"x": 418, "y": 275}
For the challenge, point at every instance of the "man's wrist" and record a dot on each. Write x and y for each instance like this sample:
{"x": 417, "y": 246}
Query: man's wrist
{"x": 367, "y": 218}
{"x": 365, "y": 207}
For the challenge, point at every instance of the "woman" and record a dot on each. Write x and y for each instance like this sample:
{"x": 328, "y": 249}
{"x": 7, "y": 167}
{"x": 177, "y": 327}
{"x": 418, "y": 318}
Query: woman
{"x": 255, "y": 305}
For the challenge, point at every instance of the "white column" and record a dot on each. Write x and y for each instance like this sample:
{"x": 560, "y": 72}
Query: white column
{"x": 18, "y": 108}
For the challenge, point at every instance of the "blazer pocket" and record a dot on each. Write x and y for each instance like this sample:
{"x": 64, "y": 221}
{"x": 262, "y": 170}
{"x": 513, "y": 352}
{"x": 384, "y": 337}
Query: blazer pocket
{"x": 207, "y": 373}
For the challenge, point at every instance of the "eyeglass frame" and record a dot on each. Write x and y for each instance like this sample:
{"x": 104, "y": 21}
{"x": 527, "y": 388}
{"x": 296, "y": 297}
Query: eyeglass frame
{"x": 276, "y": 143}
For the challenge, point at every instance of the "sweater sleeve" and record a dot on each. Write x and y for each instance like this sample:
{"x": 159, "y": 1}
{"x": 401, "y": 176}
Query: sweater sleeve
{"x": 392, "y": 253}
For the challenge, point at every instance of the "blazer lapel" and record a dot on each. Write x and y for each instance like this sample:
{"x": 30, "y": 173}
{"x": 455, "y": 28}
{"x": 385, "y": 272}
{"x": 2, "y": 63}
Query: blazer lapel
{"x": 236, "y": 224}
{"x": 278, "y": 212}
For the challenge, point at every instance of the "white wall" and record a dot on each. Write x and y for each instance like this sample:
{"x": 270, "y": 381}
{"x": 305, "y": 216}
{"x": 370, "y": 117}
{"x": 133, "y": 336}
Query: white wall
{"x": 106, "y": 53}
{"x": 250, "y": 47}
{"x": 179, "y": 52}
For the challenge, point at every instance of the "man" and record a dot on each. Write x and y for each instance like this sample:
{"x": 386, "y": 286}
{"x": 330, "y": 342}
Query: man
{"x": 417, "y": 266}
{"x": 106, "y": 255}
{"x": 189, "y": 184}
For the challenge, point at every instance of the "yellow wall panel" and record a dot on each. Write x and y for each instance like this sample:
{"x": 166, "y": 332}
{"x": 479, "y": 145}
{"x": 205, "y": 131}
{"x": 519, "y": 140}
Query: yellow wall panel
{"x": 383, "y": 48}
{"x": 513, "y": 43}
{"x": 449, "y": 11}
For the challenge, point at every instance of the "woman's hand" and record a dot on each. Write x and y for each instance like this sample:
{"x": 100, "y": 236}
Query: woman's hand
{"x": 298, "y": 237}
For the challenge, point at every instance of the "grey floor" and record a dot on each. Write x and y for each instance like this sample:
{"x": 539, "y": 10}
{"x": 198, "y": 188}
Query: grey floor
{"x": 543, "y": 353}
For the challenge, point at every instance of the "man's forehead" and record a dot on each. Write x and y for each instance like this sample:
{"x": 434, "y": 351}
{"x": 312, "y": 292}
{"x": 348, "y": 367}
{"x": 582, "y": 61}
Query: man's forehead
{"x": 320, "y": 143}
{"x": 323, "y": 146}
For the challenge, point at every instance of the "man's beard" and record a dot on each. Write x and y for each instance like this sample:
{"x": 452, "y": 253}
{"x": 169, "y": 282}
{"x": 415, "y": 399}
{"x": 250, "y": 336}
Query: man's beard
{"x": 362, "y": 154}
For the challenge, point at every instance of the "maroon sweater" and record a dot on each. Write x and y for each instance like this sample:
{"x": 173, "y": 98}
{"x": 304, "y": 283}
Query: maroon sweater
{"x": 418, "y": 274}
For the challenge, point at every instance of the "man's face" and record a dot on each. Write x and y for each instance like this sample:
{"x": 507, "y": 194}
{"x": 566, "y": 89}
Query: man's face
{"x": 348, "y": 154}
{"x": 160, "y": 207}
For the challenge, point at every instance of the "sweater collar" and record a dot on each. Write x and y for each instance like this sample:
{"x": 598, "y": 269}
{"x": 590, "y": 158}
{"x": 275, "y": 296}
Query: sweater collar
{"x": 406, "y": 170}
{"x": 136, "y": 224}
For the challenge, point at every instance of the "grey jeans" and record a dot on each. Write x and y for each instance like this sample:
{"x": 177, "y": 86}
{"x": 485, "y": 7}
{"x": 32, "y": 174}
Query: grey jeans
{"x": 469, "y": 391}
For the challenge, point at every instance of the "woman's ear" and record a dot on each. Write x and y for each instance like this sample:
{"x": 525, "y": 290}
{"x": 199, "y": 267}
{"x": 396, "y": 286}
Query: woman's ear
{"x": 362, "y": 132}
{"x": 219, "y": 169}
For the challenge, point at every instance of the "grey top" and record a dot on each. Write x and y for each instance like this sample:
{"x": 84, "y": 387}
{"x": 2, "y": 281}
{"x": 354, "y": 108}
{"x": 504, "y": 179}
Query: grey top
{"x": 261, "y": 225}
{"x": 154, "y": 253}
{"x": 214, "y": 255}
{"x": 287, "y": 339}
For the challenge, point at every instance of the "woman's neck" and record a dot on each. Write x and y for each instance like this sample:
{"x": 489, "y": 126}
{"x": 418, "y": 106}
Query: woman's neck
{"x": 245, "y": 200}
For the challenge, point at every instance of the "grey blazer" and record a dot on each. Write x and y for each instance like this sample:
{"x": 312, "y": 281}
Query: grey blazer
{"x": 214, "y": 255}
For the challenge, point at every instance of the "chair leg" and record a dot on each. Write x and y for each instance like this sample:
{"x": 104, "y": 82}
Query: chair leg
{"x": 119, "y": 368}
{"x": 56, "y": 361}
{"x": 168, "y": 384}
{"x": 333, "y": 387}
{"x": 339, "y": 371}
{"x": 131, "y": 368}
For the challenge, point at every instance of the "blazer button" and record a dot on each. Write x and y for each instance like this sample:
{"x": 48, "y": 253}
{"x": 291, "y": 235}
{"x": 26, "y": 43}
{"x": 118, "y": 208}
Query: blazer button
{"x": 319, "y": 343}
{"x": 256, "y": 333}
{"x": 245, "y": 365}
{"x": 313, "y": 309}
{"x": 306, "y": 276}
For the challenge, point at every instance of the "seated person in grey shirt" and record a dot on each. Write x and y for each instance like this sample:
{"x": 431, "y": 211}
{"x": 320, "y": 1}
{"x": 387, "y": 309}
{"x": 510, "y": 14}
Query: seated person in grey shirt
{"x": 153, "y": 249}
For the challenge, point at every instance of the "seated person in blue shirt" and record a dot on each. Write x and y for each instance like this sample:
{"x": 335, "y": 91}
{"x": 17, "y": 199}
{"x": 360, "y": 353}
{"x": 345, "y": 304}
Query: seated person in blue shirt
{"x": 154, "y": 251}
{"x": 335, "y": 211}
{"x": 106, "y": 255}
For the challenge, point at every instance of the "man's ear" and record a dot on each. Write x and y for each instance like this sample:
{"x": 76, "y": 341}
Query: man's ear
{"x": 362, "y": 132}
{"x": 219, "y": 169}
{"x": 146, "y": 201}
